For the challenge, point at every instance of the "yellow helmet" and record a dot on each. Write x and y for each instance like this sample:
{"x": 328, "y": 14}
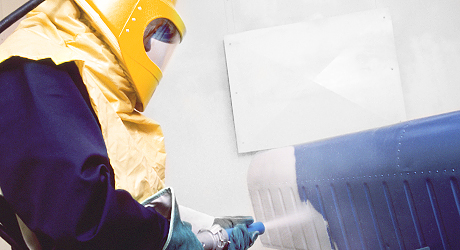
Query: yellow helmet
{"x": 146, "y": 32}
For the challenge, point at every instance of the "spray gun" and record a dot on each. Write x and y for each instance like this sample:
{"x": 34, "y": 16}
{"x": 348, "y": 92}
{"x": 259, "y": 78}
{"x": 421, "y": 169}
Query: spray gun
{"x": 217, "y": 238}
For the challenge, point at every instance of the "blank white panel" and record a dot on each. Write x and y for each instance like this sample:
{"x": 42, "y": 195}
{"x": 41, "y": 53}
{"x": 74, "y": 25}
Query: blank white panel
{"x": 313, "y": 80}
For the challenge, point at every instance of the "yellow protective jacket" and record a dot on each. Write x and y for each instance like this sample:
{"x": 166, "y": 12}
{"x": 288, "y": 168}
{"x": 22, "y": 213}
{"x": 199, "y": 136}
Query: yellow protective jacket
{"x": 61, "y": 31}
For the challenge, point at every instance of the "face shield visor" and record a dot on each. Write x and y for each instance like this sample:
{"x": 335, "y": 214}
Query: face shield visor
{"x": 160, "y": 39}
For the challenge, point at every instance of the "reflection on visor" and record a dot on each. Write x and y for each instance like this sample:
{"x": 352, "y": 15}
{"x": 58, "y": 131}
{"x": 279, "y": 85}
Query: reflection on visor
{"x": 160, "y": 38}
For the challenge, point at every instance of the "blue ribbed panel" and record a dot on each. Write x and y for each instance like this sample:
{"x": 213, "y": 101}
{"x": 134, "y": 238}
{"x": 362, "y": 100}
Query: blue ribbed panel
{"x": 391, "y": 188}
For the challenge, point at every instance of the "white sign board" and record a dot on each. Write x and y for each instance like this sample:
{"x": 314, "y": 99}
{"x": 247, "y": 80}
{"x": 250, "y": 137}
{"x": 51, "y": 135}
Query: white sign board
{"x": 313, "y": 80}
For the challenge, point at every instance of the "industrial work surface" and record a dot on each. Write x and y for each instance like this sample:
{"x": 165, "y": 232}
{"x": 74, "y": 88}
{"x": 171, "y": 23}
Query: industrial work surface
{"x": 394, "y": 187}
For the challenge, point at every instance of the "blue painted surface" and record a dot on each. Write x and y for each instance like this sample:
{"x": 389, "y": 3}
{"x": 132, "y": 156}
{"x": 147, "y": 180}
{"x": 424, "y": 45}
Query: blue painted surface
{"x": 389, "y": 188}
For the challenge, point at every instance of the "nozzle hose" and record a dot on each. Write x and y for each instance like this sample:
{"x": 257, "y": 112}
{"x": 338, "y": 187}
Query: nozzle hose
{"x": 17, "y": 14}
{"x": 216, "y": 238}
{"x": 256, "y": 226}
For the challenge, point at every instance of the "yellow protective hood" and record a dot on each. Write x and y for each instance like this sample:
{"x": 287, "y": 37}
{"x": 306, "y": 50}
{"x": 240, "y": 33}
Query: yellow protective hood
{"x": 59, "y": 30}
{"x": 133, "y": 23}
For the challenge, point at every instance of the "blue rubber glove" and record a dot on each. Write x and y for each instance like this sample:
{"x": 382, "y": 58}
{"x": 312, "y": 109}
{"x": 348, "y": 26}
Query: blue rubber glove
{"x": 180, "y": 235}
{"x": 232, "y": 221}
{"x": 241, "y": 239}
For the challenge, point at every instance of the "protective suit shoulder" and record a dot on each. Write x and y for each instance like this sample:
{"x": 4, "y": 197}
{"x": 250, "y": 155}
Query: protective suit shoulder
{"x": 48, "y": 41}
{"x": 62, "y": 32}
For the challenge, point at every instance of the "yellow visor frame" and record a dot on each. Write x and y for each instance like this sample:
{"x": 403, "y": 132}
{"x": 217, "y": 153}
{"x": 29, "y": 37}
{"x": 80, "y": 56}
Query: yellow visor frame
{"x": 140, "y": 64}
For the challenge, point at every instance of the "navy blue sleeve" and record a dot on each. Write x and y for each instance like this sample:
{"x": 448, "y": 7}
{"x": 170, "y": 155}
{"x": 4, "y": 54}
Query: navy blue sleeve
{"x": 54, "y": 168}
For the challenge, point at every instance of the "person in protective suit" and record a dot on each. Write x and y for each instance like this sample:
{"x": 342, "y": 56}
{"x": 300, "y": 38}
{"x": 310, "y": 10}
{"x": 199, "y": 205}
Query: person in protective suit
{"x": 76, "y": 154}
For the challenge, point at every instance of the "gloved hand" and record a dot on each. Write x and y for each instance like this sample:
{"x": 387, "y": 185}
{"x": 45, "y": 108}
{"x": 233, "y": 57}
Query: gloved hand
{"x": 232, "y": 221}
{"x": 180, "y": 236}
{"x": 241, "y": 239}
